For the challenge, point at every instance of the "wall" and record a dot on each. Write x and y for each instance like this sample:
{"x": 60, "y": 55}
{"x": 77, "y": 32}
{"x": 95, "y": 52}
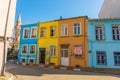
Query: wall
{"x": 109, "y": 45}
{"x": 48, "y": 41}
{"x": 28, "y": 42}
{"x": 72, "y": 40}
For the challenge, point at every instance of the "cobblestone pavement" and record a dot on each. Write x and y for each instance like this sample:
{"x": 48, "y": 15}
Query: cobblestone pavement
{"x": 38, "y": 73}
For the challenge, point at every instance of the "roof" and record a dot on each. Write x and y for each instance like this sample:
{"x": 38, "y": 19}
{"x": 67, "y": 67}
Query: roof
{"x": 99, "y": 19}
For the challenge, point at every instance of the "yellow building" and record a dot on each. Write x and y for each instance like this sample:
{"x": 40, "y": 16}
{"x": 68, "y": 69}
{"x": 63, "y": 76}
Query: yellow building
{"x": 48, "y": 42}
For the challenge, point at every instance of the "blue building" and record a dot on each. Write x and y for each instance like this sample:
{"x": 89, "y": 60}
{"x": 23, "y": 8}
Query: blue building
{"x": 28, "y": 44}
{"x": 104, "y": 43}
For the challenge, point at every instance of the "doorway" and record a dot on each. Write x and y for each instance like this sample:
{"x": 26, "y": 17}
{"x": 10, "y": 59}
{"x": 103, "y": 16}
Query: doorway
{"x": 42, "y": 52}
{"x": 64, "y": 55}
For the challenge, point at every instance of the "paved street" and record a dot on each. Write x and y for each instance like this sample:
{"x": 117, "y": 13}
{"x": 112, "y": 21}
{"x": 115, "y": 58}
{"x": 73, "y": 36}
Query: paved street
{"x": 38, "y": 73}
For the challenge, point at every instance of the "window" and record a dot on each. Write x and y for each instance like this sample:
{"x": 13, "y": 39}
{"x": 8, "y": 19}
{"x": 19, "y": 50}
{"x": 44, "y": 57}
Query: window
{"x": 64, "y": 51}
{"x": 101, "y": 58}
{"x": 53, "y": 31}
{"x": 64, "y": 30}
{"x": 32, "y": 49}
{"x": 31, "y": 61}
{"x": 77, "y": 29}
{"x": 116, "y": 32}
{"x": 78, "y": 50}
{"x": 34, "y": 33}
{"x": 53, "y": 51}
{"x": 23, "y": 60}
{"x": 42, "y": 32}
{"x": 24, "y": 49}
{"x": 117, "y": 58}
{"x": 26, "y": 33}
{"x": 99, "y": 32}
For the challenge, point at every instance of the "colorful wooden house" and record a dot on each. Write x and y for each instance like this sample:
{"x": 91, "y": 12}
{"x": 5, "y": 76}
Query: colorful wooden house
{"x": 104, "y": 43}
{"x": 48, "y": 42}
{"x": 73, "y": 42}
{"x": 28, "y": 44}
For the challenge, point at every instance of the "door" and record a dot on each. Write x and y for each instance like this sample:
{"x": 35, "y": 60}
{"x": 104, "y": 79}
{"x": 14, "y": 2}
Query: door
{"x": 64, "y": 56}
{"x": 42, "y": 55}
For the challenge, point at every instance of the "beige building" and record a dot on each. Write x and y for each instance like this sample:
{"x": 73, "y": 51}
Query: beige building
{"x": 110, "y": 9}
{"x": 15, "y": 43}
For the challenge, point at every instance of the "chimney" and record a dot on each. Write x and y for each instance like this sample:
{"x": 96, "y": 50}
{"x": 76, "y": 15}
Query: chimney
{"x": 60, "y": 17}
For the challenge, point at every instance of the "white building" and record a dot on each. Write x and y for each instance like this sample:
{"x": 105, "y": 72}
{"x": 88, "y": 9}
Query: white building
{"x": 7, "y": 15}
{"x": 110, "y": 9}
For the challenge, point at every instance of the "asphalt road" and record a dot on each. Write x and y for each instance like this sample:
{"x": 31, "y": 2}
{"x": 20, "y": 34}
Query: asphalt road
{"x": 38, "y": 73}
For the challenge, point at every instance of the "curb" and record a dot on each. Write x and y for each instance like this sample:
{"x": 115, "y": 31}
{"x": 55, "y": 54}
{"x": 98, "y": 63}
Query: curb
{"x": 52, "y": 67}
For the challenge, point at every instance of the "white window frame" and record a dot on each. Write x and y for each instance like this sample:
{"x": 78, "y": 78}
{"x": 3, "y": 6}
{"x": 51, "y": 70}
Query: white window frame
{"x": 51, "y": 54}
{"x": 63, "y": 54}
{"x": 35, "y": 49}
{"x": 33, "y": 60}
{"x": 100, "y": 54}
{"x": 31, "y": 32}
{"x": 77, "y": 30}
{"x": 64, "y": 26}
{"x": 22, "y": 49}
{"x": 116, "y": 38}
{"x": 99, "y": 35}
{"x": 23, "y": 58}
{"x": 24, "y": 33}
{"x": 44, "y": 35}
{"x": 55, "y": 31}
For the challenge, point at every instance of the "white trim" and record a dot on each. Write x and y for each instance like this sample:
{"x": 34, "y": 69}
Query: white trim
{"x": 53, "y": 51}
{"x": 31, "y": 33}
{"x": 44, "y": 32}
{"x": 80, "y": 28}
{"x": 33, "y": 60}
{"x": 63, "y": 25}
{"x": 23, "y": 58}
{"x": 24, "y": 32}
{"x": 22, "y": 49}
{"x": 35, "y": 49}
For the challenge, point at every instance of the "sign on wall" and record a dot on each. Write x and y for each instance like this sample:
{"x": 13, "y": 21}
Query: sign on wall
{"x": 78, "y": 50}
{"x": 4, "y": 5}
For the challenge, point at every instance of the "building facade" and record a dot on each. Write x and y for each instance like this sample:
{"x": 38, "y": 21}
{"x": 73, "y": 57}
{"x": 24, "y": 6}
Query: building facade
{"x": 110, "y": 9}
{"x": 104, "y": 43}
{"x": 73, "y": 44}
{"x": 16, "y": 40}
{"x": 48, "y": 42}
{"x": 28, "y": 44}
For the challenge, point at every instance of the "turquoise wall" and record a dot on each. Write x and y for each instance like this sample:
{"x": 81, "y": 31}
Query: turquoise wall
{"x": 27, "y": 42}
{"x": 108, "y": 44}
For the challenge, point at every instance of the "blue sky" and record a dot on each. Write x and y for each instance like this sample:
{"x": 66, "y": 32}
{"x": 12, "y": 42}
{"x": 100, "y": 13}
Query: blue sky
{"x": 45, "y": 10}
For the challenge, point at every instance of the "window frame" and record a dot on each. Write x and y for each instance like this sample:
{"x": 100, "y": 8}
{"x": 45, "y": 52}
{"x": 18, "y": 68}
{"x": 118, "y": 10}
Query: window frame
{"x": 117, "y": 36}
{"x": 100, "y": 54}
{"x": 64, "y": 49}
{"x": 77, "y": 30}
{"x": 32, "y": 31}
{"x": 54, "y": 35}
{"x": 51, "y": 50}
{"x": 32, "y": 59}
{"x": 42, "y": 33}
{"x": 23, "y": 58}
{"x": 63, "y": 33}
{"x": 99, "y": 27}
{"x": 26, "y": 49}
{"x": 118, "y": 62}
{"x": 24, "y": 33}
{"x": 30, "y": 49}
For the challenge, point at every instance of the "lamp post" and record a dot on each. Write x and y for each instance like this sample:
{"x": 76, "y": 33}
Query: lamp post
{"x": 5, "y": 40}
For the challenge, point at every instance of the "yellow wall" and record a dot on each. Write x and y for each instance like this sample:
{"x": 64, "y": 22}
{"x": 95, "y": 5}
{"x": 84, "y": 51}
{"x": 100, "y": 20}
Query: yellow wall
{"x": 47, "y": 41}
